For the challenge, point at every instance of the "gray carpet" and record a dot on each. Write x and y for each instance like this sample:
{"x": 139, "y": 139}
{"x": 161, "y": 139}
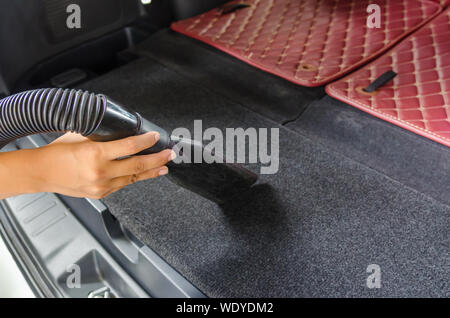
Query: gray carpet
{"x": 264, "y": 93}
{"x": 310, "y": 230}
{"x": 409, "y": 158}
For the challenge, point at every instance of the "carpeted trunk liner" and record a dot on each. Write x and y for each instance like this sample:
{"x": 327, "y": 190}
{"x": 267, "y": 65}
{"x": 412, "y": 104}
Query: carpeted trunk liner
{"x": 308, "y": 42}
{"x": 221, "y": 73}
{"x": 404, "y": 156}
{"x": 309, "y": 230}
{"x": 360, "y": 136}
{"x": 418, "y": 98}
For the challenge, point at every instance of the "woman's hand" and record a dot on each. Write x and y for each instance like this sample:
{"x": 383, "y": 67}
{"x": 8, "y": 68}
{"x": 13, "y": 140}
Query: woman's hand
{"x": 75, "y": 166}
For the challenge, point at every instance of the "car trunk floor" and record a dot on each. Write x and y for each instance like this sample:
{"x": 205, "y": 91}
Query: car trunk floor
{"x": 312, "y": 229}
{"x": 266, "y": 94}
{"x": 308, "y": 42}
{"x": 404, "y": 156}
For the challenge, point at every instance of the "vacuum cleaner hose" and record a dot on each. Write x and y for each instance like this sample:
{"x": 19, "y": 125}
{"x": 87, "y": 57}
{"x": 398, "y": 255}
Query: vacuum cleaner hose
{"x": 61, "y": 110}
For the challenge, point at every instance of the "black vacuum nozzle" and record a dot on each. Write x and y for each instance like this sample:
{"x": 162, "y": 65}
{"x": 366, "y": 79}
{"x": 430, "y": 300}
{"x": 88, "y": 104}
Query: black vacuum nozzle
{"x": 218, "y": 182}
{"x": 101, "y": 119}
{"x": 118, "y": 123}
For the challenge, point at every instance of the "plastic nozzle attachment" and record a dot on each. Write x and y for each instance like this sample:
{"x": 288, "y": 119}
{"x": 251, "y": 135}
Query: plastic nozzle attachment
{"x": 118, "y": 123}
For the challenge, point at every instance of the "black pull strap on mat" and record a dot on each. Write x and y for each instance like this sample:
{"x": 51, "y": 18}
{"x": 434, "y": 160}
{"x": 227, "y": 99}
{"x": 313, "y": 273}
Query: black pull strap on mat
{"x": 380, "y": 81}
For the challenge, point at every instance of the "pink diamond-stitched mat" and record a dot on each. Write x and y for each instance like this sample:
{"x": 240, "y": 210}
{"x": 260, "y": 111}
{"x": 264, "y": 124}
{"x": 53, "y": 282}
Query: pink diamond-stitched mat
{"x": 308, "y": 42}
{"x": 418, "y": 98}
{"x": 444, "y": 3}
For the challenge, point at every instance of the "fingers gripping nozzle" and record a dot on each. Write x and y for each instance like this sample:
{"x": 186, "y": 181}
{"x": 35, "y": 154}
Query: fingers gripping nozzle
{"x": 118, "y": 123}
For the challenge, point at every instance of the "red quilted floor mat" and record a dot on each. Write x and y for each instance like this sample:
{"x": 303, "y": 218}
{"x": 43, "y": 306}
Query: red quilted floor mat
{"x": 418, "y": 98}
{"x": 308, "y": 42}
{"x": 444, "y": 3}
